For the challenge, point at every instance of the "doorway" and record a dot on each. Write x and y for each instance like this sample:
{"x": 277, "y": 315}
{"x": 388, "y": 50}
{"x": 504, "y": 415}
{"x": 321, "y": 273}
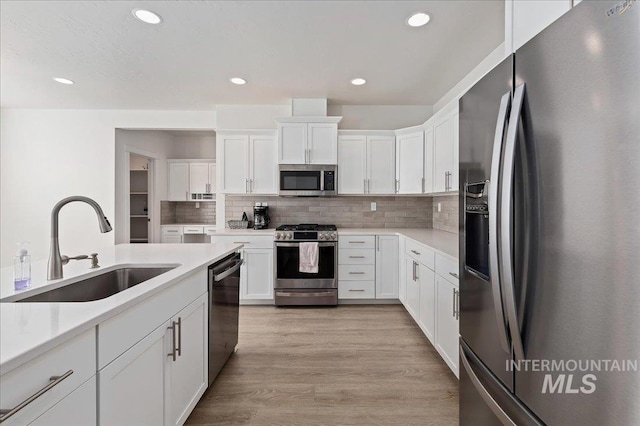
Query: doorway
{"x": 140, "y": 198}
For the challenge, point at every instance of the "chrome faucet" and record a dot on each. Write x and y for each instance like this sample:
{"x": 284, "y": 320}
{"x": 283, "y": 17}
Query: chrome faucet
{"x": 54, "y": 268}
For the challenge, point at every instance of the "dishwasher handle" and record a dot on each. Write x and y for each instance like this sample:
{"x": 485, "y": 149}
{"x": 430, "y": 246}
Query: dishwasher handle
{"x": 224, "y": 274}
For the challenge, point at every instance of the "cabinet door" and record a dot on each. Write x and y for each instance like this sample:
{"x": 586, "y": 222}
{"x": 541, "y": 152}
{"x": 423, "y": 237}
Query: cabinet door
{"x": 77, "y": 408}
{"x": 212, "y": 178}
{"x": 381, "y": 164}
{"x": 198, "y": 178}
{"x": 292, "y": 143}
{"x": 178, "y": 182}
{"x": 172, "y": 239}
{"x": 263, "y": 165}
{"x": 443, "y": 154}
{"x": 322, "y": 142}
{"x": 132, "y": 387}
{"x": 413, "y": 289}
{"x": 351, "y": 164}
{"x": 409, "y": 167}
{"x": 256, "y": 274}
{"x": 446, "y": 322}
{"x": 387, "y": 267}
{"x": 187, "y": 375}
{"x": 427, "y": 301}
{"x": 428, "y": 160}
{"x": 455, "y": 128}
{"x": 235, "y": 163}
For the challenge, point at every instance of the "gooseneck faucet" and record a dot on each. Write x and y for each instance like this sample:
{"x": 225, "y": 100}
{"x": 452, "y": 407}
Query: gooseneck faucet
{"x": 54, "y": 268}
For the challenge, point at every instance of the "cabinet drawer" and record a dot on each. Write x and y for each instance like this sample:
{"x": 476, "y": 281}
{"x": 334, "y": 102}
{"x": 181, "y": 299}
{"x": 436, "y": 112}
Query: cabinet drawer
{"x": 193, "y": 230}
{"x": 209, "y": 230}
{"x": 447, "y": 269}
{"x": 172, "y": 239}
{"x": 75, "y": 359}
{"x": 356, "y": 256}
{"x": 356, "y": 290}
{"x": 421, "y": 253}
{"x": 357, "y": 241}
{"x": 172, "y": 230}
{"x": 356, "y": 272}
{"x": 249, "y": 241}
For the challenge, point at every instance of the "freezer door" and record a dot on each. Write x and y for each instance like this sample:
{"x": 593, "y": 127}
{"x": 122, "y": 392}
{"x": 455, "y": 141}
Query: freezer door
{"x": 483, "y": 113}
{"x": 577, "y": 208}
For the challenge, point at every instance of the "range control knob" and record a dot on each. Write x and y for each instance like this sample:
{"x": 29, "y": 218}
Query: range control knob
{"x": 277, "y": 236}
{"x": 289, "y": 236}
{"x": 333, "y": 236}
{"x": 321, "y": 236}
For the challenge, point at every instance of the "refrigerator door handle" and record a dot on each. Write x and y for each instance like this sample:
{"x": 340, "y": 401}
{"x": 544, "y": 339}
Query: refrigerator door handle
{"x": 484, "y": 394}
{"x": 494, "y": 263}
{"x": 506, "y": 223}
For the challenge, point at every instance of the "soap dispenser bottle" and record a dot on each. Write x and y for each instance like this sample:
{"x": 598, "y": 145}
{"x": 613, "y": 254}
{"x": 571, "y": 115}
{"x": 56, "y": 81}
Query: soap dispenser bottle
{"x": 22, "y": 268}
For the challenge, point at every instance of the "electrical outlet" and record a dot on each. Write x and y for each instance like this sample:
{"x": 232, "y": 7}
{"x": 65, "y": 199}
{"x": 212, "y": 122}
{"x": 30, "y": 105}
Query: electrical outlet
{"x": 373, "y": 207}
{"x": 439, "y": 207}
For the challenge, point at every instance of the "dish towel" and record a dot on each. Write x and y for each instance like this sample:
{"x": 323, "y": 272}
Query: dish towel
{"x": 309, "y": 256}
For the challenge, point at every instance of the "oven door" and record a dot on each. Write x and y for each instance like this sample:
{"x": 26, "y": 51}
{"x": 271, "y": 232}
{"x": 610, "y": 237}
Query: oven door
{"x": 287, "y": 267}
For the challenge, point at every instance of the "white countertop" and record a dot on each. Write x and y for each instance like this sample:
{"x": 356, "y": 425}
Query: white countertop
{"x": 446, "y": 243}
{"x": 189, "y": 224}
{"x": 30, "y": 329}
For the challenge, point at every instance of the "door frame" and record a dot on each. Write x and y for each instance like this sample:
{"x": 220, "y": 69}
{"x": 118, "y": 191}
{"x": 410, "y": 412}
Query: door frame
{"x": 151, "y": 193}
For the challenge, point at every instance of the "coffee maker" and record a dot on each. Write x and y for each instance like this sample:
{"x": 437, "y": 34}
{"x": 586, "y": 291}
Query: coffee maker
{"x": 261, "y": 216}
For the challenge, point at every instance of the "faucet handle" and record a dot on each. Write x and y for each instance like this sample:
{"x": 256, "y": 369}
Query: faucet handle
{"x": 94, "y": 261}
{"x": 66, "y": 259}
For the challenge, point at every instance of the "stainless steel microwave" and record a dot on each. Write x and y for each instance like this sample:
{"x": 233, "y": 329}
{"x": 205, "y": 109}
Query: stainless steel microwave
{"x": 307, "y": 180}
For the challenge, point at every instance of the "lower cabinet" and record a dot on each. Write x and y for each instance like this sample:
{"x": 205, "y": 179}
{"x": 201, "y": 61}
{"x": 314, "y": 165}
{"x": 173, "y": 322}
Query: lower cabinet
{"x": 159, "y": 380}
{"x": 256, "y": 274}
{"x": 447, "y": 322}
{"x": 171, "y": 239}
{"x": 427, "y": 317}
{"x": 77, "y": 408}
{"x": 387, "y": 265}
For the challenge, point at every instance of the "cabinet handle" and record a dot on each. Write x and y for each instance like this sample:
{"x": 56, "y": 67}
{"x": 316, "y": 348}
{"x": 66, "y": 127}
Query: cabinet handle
{"x": 417, "y": 253}
{"x": 251, "y": 185}
{"x": 423, "y": 185}
{"x": 454, "y": 303}
{"x": 397, "y": 185}
{"x": 364, "y": 186}
{"x": 186, "y": 196}
{"x": 356, "y": 273}
{"x": 309, "y": 161}
{"x": 246, "y": 186}
{"x": 172, "y": 327}
{"x": 454, "y": 275}
{"x": 356, "y": 242}
{"x": 172, "y": 230}
{"x": 368, "y": 190}
{"x": 414, "y": 271}
{"x": 377, "y": 243}
{"x": 53, "y": 381}
{"x": 241, "y": 242}
{"x": 356, "y": 257}
{"x": 458, "y": 304}
{"x": 356, "y": 289}
{"x": 179, "y": 349}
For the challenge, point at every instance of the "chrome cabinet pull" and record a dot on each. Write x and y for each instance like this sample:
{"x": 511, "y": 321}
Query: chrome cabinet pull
{"x": 422, "y": 184}
{"x": 454, "y": 303}
{"x": 364, "y": 186}
{"x": 415, "y": 274}
{"x": 172, "y": 327}
{"x": 241, "y": 242}
{"x": 356, "y": 289}
{"x": 397, "y": 185}
{"x": 357, "y": 257}
{"x": 356, "y": 242}
{"x": 53, "y": 381}
{"x": 454, "y": 275}
{"x": 179, "y": 349}
{"x": 377, "y": 242}
{"x": 356, "y": 273}
{"x": 417, "y": 253}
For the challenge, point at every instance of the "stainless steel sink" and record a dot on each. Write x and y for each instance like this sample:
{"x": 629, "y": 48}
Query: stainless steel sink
{"x": 99, "y": 286}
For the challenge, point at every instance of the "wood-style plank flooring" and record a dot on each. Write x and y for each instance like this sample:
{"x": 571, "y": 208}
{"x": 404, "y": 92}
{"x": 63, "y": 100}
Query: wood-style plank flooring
{"x": 350, "y": 365}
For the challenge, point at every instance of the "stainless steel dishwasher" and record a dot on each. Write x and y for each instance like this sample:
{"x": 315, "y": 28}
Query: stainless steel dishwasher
{"x": 224, "y": 306}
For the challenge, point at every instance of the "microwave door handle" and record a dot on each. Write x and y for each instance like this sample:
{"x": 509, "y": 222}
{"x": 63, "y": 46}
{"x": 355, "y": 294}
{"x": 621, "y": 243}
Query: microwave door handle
{"x": 321, "y": 180}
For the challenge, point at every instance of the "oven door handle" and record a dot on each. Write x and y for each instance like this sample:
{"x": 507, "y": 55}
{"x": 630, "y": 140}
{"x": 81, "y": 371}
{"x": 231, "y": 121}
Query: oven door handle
{"x": 298, "y": 244}
{"x": 304, "y": 294}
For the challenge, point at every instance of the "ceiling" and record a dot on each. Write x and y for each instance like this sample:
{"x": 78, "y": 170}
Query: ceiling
{"x": 283, "y": 49}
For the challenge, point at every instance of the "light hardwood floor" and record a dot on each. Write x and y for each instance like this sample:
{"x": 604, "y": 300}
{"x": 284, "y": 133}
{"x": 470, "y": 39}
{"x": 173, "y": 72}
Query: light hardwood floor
{"x": 350, "y": 365}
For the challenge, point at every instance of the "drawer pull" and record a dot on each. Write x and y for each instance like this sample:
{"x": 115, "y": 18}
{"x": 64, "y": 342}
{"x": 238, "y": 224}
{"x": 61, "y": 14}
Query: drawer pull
{"x": 357, "y": 242}
{"x": 454, "y": 275}
{"x": 356, "y": 289}
{"x": 241, "y": 242}
{"x": 417, "y": 253}
{"x": 171, "y": 230}
{"x": 356, "y": 257}
{"x": 356, "y": 273}
{"x": 53, "y": 381}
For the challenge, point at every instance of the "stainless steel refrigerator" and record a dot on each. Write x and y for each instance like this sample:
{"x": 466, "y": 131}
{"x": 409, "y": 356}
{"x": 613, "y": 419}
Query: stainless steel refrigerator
{"x": 550, "y": 227}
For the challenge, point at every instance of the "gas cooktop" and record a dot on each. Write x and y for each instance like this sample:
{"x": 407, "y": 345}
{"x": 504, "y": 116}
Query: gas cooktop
{"x": 307, "y": 227}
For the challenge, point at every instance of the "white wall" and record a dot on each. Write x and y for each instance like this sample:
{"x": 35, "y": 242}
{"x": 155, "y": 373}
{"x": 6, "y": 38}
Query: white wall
{"x": 250, "y": 116}
{"x": 46, "y": 155}
{"x": 380, "y": 117}
{"x": 191, "y": 145}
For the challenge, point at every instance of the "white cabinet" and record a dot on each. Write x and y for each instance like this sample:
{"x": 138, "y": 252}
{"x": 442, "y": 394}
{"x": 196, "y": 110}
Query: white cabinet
{"x": 366, "y": 164}
{"x": 77, "y": 408}
{"x": 178, "y": 182}
{"x": 310, "y": 142}
{"x": 198, "y": 178}
{"x": 447, "y": 307}
{"x": 445, "y": 146}
{"x": 526, "y": 18}
{"x": 428, "y": 160}
{"x": 256, "y": 274}
{"x": 248, "y": 163}
{"x": 412, "y": 298}
{"x": 171, "y": 239}
{"x": 160, "y": 379}
{"x": 131, "y": 388}
{"x": 427, "y": 320}
{"x": 409, "y": 163}
{"x": 387, "y": 264}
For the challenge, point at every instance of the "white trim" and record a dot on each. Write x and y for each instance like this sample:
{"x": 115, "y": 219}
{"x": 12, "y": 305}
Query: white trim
{"x": 347, "y": 132}
{"x": 250, "y": 132}
{"x": 310, "y": 119}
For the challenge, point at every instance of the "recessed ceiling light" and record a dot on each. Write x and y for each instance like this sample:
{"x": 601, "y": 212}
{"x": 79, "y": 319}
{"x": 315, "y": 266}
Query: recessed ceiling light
{"x": 238, "y": 80}
{"x": 418, "y": 19}
{"x": 63, "y": 80}
{"x": 358, "y": 81}
{"x": 147, "y": 16}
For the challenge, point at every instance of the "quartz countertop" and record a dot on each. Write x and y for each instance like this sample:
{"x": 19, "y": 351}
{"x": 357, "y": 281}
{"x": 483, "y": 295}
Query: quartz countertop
{"x": 188, "y": 224}
{"x": 30, "y": 329}
{"x": 446, "y": 243}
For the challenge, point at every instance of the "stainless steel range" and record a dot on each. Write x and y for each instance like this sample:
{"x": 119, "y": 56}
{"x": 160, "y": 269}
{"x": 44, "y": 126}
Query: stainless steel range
{"x": 293, "y": 287}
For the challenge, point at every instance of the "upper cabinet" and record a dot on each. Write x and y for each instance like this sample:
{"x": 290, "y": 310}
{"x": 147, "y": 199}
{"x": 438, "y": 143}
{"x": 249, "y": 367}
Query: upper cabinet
{"x": 526, "y": 18}
{"x": 410, "y": 162}
{"x": 178, "y": 189}
{"x": 248, "y": 162}
{"x": 191, "y": 180}
{"x": 366, "y": 163}
{"x": 445, "y": 150}
{"x": 308, "y": 140}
